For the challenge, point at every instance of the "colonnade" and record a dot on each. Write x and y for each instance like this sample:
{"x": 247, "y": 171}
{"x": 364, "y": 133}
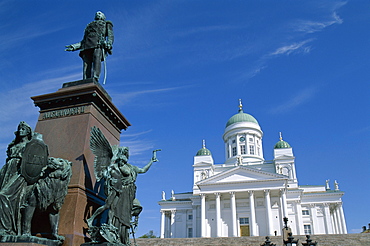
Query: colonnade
{"x": 337, "y": 217}
{"x": 234, "y": 221}
{"x": 334, "y": 219}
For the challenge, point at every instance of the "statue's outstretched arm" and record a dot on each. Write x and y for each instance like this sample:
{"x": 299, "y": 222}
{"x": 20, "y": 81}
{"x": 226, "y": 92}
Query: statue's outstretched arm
{"x": 73, "y": 47}
{"x": 154, "y": 159}
{"x": 146, "y": 168}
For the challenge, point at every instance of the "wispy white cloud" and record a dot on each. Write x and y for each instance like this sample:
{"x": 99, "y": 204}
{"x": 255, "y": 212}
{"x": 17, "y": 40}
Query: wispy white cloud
{"x": 309, "y": 26}
{"x": 296, "y": 37}
{"x": 129, "y": 96}
{"x": 17, "y": 100}
{"x": 16, "y": 105}
{"x": 297, "y": 100}
{"x": 294, "y": 45}
{"x": 299, "y": 47}
{"x": 355, "y": 230}
{"x": 23, "y": 35}
{"x": 135, "y": 134}
{"x": 137, "y": 142}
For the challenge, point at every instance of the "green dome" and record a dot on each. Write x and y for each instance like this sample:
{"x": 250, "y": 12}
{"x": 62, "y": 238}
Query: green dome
{"x": 241, "y": 117}
{"x": 282, "y": 145}
{"x": 203, "y": 151}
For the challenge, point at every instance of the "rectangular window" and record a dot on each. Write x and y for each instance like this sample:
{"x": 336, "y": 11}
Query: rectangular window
{"x": 242, "y": 149}
{"x": 305, "y": 212}
{"x": 251, "y": 150}
{"x": 251, "y": 140}
{"x": 307, "y": 229}
{"x": 190, "y": 232}
{"x": 234, "y": 151}
{"x": 244, "y": 221}
{"x": 190, "y": 217}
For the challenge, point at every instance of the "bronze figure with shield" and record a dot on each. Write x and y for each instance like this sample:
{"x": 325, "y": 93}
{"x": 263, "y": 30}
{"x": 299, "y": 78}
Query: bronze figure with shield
{"x": 31, "y": 179}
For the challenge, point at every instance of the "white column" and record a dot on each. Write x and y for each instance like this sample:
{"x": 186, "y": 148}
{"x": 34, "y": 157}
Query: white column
{"x": 343, "y": 220}
{"x": 328, "y": 221}
{"x": 253, "y": 214}
{"x": 298, "y": 208}
{"x": 202, "y": 215}
{"x": 173, "y": 228}
{"x": 334, "y": 219}
{"x": 314, "y": 218}
{"x": 218, "y": 214}
{"x": 163, "y": 220}
{"x": 233, "y": 214}
{"x": 268, "y": 213}
{"x": 337, "y": 218}
{"x": 284, "y": 203}
{"x": 194, "y": 221}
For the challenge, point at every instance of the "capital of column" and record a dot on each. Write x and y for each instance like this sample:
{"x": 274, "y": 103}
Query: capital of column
{"x": 282, "y": 191}
{"x": 232, "y": 193}
{"x": 217, "y": 194}
{"x": 173, "y": 212}
{"x": 251, "y": 192}
{"x": 267, "y": 192}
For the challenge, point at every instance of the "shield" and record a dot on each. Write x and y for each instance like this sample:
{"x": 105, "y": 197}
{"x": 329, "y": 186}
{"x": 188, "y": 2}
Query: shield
{"x": 34, "y": 159}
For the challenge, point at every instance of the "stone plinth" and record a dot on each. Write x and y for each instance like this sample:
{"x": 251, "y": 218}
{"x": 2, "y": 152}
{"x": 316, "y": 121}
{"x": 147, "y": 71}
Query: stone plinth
{"x": 358, "y": 239}
{"x": 26, "y": 241}
{"x": 21, "y": 244}
{"x": 65, "y": 120}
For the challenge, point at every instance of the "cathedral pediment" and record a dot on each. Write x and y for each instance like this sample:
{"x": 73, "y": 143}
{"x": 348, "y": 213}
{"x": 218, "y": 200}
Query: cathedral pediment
{"x": 241, "y": 174}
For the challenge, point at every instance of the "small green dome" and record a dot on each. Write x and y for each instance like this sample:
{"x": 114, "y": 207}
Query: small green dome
{"x": 241, "y": 117}
{"x": 203, "y": 151}
{"x": 282, "y": 145}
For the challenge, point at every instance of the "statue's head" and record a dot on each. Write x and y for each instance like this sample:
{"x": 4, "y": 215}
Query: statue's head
{"x": 121, "y": 155}
{"x": 99, "y": 16}
{"x": 124, "y": 151}
{"x": 24, "y": 130}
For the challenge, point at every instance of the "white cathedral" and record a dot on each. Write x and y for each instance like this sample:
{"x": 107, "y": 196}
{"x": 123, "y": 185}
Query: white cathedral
{"x": 249, "y": 196}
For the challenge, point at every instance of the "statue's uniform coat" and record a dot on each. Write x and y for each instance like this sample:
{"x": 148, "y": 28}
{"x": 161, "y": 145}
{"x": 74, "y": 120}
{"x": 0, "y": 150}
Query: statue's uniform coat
{"x": 96, "y": 33}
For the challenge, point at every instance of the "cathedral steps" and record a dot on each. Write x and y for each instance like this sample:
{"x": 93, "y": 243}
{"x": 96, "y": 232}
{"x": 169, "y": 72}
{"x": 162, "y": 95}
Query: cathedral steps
{"x": 359, "y": 239}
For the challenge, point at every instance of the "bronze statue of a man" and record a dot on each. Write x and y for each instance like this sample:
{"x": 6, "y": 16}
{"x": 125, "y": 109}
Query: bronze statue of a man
{"x": 95, "y": 45}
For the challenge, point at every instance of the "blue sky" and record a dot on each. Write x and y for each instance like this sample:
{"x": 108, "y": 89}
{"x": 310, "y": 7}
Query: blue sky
{"x": 179, "y": 67}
